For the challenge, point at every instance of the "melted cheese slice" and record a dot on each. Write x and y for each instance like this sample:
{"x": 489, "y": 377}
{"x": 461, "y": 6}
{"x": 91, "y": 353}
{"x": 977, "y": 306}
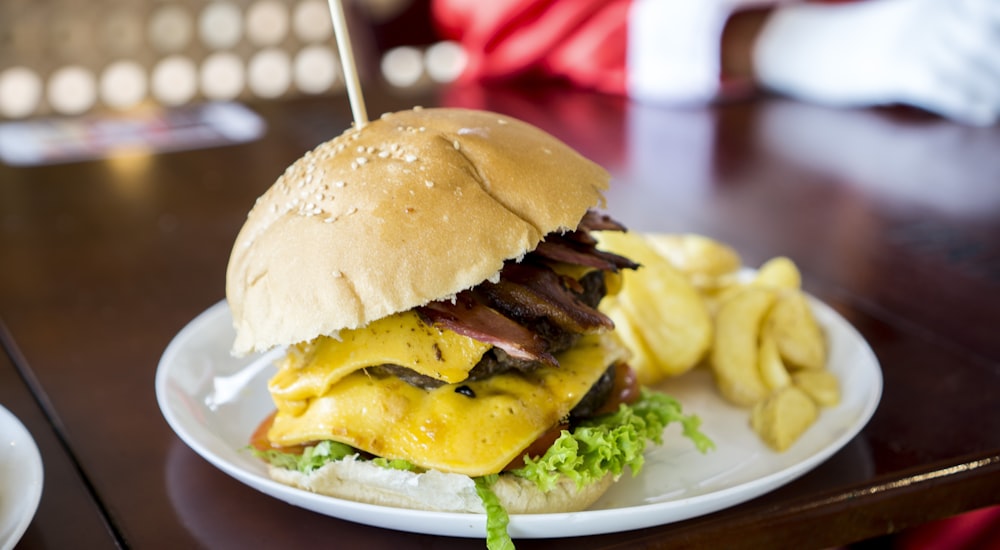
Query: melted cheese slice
{"x": 442, "y": 428}
{"x": 312, "y": 368}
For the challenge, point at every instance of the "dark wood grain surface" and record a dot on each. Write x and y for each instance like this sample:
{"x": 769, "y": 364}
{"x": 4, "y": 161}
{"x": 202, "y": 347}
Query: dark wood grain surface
{"x": 892, "y": 216}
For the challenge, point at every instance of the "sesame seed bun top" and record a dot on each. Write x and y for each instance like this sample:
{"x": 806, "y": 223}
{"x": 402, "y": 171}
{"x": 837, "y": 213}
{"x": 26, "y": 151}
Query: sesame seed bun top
{"x": 413, "y": 207}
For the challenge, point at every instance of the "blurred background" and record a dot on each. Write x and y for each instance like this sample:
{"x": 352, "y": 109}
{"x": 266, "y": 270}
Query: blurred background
{"x": 73, "y": 57}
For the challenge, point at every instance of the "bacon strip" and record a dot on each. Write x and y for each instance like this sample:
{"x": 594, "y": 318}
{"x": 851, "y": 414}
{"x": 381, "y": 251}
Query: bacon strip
{"x": 469, "y": 316}
{"x": 595, "y": 221}
{"x": 565, "y": 248}
{"x": 530, "y": 297}
{"x": 530, "y": 291}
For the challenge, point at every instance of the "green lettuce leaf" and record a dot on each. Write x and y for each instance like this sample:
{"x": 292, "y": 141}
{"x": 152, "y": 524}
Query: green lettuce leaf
{"x": 608, "y": 443}
{"x": 497, "y": 537}
{"x": 312, "y": 458}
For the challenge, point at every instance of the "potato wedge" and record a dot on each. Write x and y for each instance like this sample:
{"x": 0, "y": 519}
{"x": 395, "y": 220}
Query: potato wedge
{"x": 800, "y": 339}
{"x": 666, "y": 311}
{"x": 772, "y": 368}
{"x": 641, "y": 360}
{"x": 734, "y": 357}
{"x": 783, "y": 417}
{"x": 779, "y": 272}
{"x": 821, "y": 385}
{"x": 709, "y": 263}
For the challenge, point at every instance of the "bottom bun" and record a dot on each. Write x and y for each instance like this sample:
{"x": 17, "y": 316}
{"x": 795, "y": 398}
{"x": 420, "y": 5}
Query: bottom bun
{"x": 363, "y": 481}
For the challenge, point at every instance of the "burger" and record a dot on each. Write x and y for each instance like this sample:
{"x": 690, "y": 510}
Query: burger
{"x": 433, "y": 279}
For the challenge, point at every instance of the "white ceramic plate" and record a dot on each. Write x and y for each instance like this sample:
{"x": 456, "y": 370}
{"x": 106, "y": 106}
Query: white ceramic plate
{"x": 215, "y": 401}
{"x": 21, "y": 477}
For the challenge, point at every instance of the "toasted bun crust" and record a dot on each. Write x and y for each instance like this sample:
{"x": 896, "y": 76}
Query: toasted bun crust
{"x": 365, "y": 482}
{"x": 414, "y": 207}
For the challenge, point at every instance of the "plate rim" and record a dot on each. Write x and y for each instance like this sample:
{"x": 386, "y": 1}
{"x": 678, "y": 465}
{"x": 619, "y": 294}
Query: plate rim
{"x": 27, "y": 491}
{"x": 471, "y": 525}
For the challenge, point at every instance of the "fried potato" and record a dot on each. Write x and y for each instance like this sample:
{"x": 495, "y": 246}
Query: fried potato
{"x": 783, "y": 416}
{"x": 764, "y": 346}
{"x": 772, "y": 368}
{"x": 664, "y": 310}
{"x": 800, "y": 339}
{"x": 642, "y": 361}
{"x": 779, "y": 272}
{"x": 734, "y": 357}
{"x": 821, "y": 385}
{"x": 709, "y": 263}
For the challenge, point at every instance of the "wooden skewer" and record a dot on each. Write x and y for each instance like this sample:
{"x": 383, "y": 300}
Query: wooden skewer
{"x": 348, "y": 64}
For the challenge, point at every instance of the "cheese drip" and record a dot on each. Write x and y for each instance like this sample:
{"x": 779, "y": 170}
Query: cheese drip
{"x": 309, "y": 369}
{"x": 441, "y": 428}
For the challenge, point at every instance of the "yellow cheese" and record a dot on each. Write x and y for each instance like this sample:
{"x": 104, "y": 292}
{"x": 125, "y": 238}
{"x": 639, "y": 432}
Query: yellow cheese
{"x": 312, "y": 368}
{"x": 445, "y": 429}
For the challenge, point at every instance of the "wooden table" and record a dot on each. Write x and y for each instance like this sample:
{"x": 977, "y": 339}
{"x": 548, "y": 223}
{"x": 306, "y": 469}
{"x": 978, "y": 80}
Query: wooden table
{"x": 893, "y": 217}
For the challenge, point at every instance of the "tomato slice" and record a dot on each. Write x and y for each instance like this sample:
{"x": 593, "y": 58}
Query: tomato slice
{"x": 624, "y": 390}
{"x": 539, "y": 446}
{"x": 260, "y": 441}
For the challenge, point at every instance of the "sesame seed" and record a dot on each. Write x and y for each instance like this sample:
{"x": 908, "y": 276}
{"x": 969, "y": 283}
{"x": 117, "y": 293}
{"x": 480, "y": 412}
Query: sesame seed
{"x": 410, "y": 158}
{"x": 361, "y": 148}
{"x": 456, "y": 145}
{"x": 339, "y": 183}
{"x": 361, "y": 160}
{"x": 429, "y": 183}
{"x": 383, "y": 154}
{"x": 501, "y": 121}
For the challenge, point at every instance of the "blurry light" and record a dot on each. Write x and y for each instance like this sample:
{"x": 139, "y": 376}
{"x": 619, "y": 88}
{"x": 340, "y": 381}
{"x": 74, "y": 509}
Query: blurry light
{"x": 402, "y": 66}
{"x": 123, "y": 84}
{"x": 220, "y": 25}
{"x": 174, "y": 80}
{"x": 267, "y": 23}
{"x": 170, "y": 28}
{"x": 20, "y": 92}
{"x": 316, "y": 69}
{"x": 311, "y": 21}
{"x": 445, "y": 61}
{"x": 72, "y": 90}
{"x": 222, "y": 76}
{"x": 270, "y": 73}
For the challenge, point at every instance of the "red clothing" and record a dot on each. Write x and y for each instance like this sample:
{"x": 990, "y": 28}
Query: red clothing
{"x": 583, "y": 41}
{"x": 651, "y": 50}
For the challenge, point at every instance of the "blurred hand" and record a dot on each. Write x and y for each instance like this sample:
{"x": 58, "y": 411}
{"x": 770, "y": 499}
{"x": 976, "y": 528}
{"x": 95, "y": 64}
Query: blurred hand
{"x": 939, "y": 55}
